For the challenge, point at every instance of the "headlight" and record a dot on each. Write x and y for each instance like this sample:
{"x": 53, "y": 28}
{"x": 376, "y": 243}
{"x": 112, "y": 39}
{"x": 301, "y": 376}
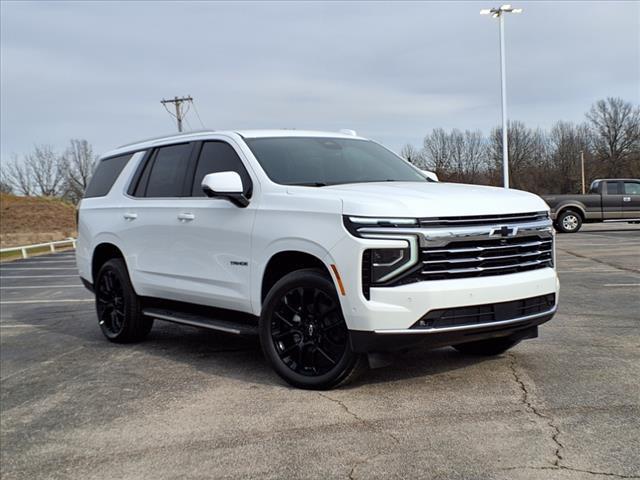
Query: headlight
{"x": 385, "y": 261}
{"x": 382, "y": 264}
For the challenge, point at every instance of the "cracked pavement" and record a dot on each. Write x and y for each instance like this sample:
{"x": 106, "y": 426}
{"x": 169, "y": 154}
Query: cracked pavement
{"x": 194, "y": 404}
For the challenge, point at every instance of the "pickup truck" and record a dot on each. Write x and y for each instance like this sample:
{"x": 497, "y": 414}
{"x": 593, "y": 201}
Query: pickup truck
{"x": 608, "y": 200}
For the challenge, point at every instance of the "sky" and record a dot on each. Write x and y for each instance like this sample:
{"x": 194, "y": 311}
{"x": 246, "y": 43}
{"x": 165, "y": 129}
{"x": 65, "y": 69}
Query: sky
{"x": 392, "y": 71}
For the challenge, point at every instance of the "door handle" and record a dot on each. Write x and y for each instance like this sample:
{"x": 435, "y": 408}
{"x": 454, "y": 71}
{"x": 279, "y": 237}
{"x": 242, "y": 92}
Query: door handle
{"x": 186, "y": 217}
{"x": 626, "y": 199}
{"x": 130, "y": 216}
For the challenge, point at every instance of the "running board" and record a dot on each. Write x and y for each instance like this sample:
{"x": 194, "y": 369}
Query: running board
{"x": 194, "y": 320}
{"x": 621, "y": 220}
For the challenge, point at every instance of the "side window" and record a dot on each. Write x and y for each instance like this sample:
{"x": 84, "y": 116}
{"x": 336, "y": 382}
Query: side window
{"x": 613, "y": 188}
{"x": 632, "y": 188}
{"x": 218, "y": 157}
{"x": 105, "y": 175}
{"x": 167, "y": 171}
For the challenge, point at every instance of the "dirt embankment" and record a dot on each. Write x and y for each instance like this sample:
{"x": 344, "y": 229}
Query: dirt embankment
{"x": 29, "y": 220}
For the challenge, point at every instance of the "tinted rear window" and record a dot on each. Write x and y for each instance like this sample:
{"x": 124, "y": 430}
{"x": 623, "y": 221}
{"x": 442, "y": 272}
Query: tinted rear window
{"x": 168, "y": 171}
{"x": 105, "y": 175}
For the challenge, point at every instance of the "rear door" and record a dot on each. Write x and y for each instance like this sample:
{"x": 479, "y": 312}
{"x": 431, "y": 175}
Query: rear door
{"x": 212, "y": 241}
{"x": 612, "y": 200}
{"x": 150, "y": 214}
{"x": 631, "y": 199}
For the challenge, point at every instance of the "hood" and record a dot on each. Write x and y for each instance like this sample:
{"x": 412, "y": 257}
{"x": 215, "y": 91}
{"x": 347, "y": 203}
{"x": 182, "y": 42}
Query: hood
{"x": 417, "y": 199}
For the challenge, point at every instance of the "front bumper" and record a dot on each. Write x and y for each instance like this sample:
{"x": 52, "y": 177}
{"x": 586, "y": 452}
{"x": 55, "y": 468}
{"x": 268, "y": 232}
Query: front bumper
{"x": 394, "y": 340}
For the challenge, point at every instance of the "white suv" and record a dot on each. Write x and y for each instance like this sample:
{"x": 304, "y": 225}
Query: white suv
{"x": 328, "y": 246}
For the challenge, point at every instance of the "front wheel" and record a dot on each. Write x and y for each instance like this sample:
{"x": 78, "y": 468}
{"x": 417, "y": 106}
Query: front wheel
{"x": 303, "y": 333}
{"x": 569, "y": 221}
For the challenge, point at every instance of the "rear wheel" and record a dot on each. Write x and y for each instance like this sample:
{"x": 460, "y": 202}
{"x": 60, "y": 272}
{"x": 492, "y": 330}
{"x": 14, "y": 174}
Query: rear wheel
{"x": 490, "y": 347}
{"x": 117, "y": 305}
{"x": 569, "y": 221}
{"x": 303, "y": 332}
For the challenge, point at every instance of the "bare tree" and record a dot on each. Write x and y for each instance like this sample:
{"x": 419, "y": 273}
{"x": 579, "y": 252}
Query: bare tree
{"x": 17, "y": 175}
{"x": 527, "y": 150}
{"x": 5, "y": 187}
{"x": 80, "y": 162}
{"x": 48, "y": 170}
{"x": 615, "y": 134}
{"x": 41, "y": 172}
{"x": 566, "y": 143}
{"x": 436, "y": 152}
{"x": 412, "y": 155}
{"x": 468, "y": 155}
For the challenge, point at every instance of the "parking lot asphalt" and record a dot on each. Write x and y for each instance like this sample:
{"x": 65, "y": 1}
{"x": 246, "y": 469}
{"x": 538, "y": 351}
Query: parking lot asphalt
{"x": 188, "y": 403}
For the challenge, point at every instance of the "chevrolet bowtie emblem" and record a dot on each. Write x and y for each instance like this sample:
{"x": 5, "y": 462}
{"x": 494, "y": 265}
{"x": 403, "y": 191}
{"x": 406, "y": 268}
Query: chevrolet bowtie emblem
{"x": 504, "y": 231}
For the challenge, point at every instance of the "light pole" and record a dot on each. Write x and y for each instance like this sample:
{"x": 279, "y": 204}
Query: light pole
{"x": 499, "y": 14}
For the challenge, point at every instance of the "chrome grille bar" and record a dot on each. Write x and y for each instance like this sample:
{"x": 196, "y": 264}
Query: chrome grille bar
{"x": 483, "y": 269}
{"x": 483, "y": 259}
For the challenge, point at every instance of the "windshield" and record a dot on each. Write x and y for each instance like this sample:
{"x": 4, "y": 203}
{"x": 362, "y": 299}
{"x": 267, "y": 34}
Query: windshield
{"x": 329, "y": 161}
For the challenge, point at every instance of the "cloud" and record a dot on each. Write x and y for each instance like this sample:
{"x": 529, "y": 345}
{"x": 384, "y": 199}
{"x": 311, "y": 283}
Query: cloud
{"x": 98, "y": 70}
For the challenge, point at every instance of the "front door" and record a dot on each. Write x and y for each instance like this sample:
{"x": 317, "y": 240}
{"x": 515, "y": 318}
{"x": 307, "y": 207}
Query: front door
{"x": 631, "y": 199}
{"x": 213, "y": 236}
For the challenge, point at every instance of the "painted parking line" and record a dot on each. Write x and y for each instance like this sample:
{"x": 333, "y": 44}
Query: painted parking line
{"x": 79, "y": 300}
{"x": 32, "y": 262}
{"x": 37, "y": 276}
{"x": 42, "y": 286}
{"x": 37, "y": 268}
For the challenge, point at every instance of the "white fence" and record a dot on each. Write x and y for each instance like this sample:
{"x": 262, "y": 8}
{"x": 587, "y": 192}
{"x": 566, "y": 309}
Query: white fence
{"x": 52, "y": 246}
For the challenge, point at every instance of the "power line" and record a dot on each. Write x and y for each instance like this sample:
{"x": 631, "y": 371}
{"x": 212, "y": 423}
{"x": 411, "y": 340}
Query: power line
{"x": 195, "y": 109}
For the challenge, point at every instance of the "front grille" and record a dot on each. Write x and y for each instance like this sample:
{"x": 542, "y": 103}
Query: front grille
{"x": 511, "y": 219}
{"x": 500, "y": 256}
{"x": 492, "y": 312}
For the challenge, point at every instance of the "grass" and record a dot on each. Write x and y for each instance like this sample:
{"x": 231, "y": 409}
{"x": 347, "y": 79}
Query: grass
{"x": 31, "y": 252}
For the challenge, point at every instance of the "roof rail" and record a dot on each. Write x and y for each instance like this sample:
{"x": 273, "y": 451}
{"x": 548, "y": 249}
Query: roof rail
{"x": 166, "y": 137}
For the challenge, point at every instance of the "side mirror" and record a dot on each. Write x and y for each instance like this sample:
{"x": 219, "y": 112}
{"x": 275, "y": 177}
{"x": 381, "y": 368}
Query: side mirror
{"x": 430, "y": 175}
{"x": 225, "y": 185}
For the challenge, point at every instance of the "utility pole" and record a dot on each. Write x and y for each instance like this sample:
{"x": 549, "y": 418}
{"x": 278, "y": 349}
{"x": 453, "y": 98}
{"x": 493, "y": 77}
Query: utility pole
{"x": 582, "y": 168}
{"x": 177, "y": 101}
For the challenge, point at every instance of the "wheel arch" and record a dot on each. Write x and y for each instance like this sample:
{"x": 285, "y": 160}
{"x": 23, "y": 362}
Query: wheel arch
{"x": 579, "y": 209}
{"x": 102, "y": 253}
{"x": 285, "y": 262}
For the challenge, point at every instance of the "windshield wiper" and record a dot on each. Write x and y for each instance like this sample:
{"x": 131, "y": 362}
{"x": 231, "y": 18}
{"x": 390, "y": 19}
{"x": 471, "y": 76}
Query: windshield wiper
{"x": 309, "y": 184}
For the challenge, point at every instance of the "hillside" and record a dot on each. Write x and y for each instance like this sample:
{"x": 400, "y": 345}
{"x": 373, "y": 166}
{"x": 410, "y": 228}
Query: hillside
{"x": 27, "y": 220}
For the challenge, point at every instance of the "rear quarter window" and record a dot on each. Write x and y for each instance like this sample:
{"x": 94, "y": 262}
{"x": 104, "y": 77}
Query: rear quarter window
{"x": 105, "y": 175}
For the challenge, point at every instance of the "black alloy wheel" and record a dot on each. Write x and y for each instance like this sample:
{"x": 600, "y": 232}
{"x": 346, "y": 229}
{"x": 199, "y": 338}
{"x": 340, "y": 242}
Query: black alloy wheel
{"x": 303, "y": 332}
{"x": 110, "y": 304}
{"x": 118, "y": 307}
{"x": 308, "y": 331}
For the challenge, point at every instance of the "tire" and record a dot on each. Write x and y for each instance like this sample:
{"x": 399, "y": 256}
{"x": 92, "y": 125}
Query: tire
{"x": 303, "y": 333}
{"x": 118, "y": 307}
{"x": 569, "y": 221}
{"x": 487, "y": 348}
